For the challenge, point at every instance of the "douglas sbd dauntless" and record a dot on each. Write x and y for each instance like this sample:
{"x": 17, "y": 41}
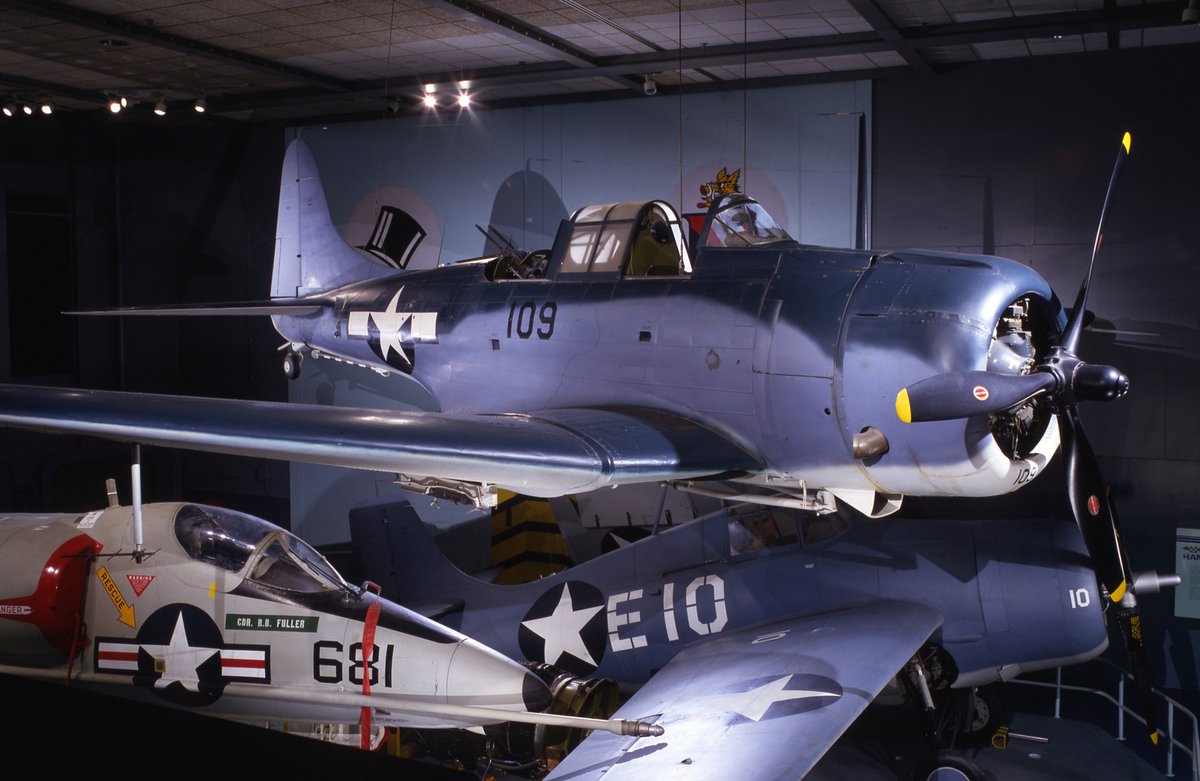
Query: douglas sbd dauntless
{"x": 734, "y": 362}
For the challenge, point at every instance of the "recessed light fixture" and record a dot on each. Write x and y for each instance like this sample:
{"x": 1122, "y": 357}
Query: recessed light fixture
{"x": 201, "y": 105}
{"x": 9, "y": 109}
{"x": 160, "y": 108}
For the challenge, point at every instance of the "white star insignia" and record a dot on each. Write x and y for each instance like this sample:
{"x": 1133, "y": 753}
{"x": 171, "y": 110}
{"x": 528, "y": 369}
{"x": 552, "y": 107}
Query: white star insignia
{"x": 389, "y": 322}
{"x": 754, "y": 704}
{"x": 181, "y": 661}
{"x": 563, "y": 630}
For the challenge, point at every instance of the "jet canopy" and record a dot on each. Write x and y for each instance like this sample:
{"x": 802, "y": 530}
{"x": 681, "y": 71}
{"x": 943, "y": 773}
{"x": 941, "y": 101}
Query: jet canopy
{"x": 254, "y": 548}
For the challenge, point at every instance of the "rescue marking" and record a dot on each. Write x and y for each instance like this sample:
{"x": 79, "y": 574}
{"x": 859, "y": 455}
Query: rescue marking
{"x": 118, "y": 599}
{"x": 981, "y": 393}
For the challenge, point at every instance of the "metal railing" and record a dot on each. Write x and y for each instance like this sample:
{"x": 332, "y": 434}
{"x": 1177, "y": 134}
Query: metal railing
{"x": 1191, "y": 748}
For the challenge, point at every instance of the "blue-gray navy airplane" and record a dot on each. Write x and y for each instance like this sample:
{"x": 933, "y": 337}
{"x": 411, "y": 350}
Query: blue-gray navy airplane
{"x": 765, "y": 632}
{"x": 734, "y": 362}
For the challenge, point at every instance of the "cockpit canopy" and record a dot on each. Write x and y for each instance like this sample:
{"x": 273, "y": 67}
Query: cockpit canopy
{"x": 634, "y": 239}
{"x": 738, "y": 221}
{"x": 255, "y": 549}
{"x": 648, "y": 239}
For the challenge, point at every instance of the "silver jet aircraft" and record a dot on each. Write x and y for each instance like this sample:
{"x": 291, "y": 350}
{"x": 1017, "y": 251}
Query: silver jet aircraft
{"x": 206, "y": 608}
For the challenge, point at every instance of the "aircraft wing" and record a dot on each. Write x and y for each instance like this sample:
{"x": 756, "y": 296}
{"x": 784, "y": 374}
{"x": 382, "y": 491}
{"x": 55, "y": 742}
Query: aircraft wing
{"x": 548, "y": 453}
{"x": 759, "y": 704}
{"x": 297, "y": 307}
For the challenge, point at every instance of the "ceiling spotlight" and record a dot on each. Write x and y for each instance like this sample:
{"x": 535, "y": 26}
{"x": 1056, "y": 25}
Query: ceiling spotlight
{"x": 464, "y": 85}
{"x": 47, "y": 106}
{"x": 201, "y": 104}
{"x": 464, "y": 100}
{"x": 9, "y": 109}
{"x": 430, "y": 100}
{"x": 649, "y": 86}
{"x": 116, "y": 104}
{"x": 430, "y": 88}
{"x": 160, "y": 108}
{"x": 28, "y": 109}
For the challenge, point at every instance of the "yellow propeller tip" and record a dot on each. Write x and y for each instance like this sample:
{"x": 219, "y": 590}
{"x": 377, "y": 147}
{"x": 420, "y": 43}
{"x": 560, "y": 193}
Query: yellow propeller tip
{"x": 1118, "y": 592}
{"x": 1154, "y": 738}
{"x": 903, "y": 409}
{"x": 1126, "y": 141}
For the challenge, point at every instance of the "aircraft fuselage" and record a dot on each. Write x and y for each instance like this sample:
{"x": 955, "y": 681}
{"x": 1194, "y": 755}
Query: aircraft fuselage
{"x": 791, "y": 353}
{"x": 626, "y": 614}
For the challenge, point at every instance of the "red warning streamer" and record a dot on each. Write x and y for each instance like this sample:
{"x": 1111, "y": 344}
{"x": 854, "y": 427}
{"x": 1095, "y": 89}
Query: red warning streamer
{"x": 368, "y": 650}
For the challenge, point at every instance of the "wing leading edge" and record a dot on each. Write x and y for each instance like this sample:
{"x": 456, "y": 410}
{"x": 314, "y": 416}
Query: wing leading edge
{"x": 781, "y": 693}
{"x": 549, "y": 453}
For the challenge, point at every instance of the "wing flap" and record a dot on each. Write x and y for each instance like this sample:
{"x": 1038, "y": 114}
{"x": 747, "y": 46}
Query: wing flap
{"x": 781, "y": 694}
{"x": 545, "y": 454}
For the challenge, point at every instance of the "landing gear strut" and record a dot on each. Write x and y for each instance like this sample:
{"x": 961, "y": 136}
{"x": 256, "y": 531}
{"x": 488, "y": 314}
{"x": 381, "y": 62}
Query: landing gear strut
{"x": 959, "y": 717}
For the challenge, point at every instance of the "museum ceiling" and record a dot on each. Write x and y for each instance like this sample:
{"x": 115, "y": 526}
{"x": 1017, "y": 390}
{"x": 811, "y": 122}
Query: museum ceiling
{"x": 306, "y": 60}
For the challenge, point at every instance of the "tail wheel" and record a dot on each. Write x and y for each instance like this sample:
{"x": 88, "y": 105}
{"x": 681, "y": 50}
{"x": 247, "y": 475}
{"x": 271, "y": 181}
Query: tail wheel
{"x": 291, "y": 364}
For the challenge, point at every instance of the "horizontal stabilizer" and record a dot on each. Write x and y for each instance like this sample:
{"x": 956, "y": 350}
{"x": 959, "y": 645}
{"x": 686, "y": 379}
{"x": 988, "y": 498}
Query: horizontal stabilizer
{"x": 295, "y": 307}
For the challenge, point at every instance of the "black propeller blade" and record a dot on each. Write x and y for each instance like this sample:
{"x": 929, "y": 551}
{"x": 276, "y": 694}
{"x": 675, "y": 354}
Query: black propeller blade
{"x": 1062, "y": 380}
{"x": 963, "y": 394}
{"x": 1078, "y": 312}
{"x": 1092, "y": 509}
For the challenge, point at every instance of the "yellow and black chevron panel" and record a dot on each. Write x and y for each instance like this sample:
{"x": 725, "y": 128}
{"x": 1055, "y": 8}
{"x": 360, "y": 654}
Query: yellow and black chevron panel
{"x": 526, "y": 541}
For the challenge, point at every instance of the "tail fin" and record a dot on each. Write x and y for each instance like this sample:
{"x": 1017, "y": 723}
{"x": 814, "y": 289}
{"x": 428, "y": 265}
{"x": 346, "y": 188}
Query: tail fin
{"x": 310, "y": 255}
{"x": 395, "y": 548}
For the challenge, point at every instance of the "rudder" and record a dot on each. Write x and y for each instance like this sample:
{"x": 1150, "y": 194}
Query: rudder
{"x": 397, "y": 552}
{"x": 310, "y": 255}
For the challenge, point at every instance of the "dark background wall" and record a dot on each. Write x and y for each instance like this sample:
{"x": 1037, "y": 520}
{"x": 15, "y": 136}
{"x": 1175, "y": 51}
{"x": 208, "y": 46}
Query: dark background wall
{"x": 1009, "y": 158}
{"x": 145, "y": 213}
{"x": 1013, "y": 159}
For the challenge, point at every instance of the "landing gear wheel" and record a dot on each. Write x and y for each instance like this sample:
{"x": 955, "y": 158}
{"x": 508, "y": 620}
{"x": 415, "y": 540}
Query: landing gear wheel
{"x": 948, "y": 766}
{"x": 984, "y": 714}
{"x": 291, "y": 364}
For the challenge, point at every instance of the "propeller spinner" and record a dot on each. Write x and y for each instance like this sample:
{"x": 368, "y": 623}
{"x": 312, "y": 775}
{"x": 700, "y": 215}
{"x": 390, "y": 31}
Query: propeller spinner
{"x": 1059, "y": 382}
